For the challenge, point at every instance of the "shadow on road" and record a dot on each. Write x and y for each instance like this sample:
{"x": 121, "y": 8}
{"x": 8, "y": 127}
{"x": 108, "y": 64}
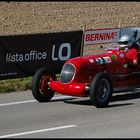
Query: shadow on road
{"x": 63, "y": 99}
{"x": 79, "y": 101}
{"x": 126, "y": 96}
{"x": 116, "y": 97}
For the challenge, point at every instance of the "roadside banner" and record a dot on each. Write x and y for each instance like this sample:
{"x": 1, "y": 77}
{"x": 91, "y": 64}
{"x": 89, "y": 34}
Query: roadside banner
{"x": 22, "y": 55}
{"x": 101, "y": 36}
{"x": 108, "y": 35}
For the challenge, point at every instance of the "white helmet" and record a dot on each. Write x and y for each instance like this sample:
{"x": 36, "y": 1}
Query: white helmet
{"x": 125, "y": 41}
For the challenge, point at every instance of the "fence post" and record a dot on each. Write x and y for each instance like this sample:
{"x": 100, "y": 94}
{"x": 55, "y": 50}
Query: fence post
{"x": 82, "y": 41}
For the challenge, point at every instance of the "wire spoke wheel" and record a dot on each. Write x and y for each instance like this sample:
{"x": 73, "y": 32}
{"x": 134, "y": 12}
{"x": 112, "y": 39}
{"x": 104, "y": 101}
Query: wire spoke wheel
{"x": 101, "y": 90}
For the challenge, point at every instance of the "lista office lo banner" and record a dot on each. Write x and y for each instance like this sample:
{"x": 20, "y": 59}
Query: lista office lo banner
{"x": 22, "y": 55}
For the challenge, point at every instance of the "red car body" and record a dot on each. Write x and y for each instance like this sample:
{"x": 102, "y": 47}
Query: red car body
{"x": 122, "y": 76}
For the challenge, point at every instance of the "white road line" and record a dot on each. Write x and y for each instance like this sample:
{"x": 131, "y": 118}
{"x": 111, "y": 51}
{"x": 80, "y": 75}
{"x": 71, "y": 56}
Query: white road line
{"x": 15, "y": 103}
{"x": 37, "y": 131}
{"x": 30, "y": 101}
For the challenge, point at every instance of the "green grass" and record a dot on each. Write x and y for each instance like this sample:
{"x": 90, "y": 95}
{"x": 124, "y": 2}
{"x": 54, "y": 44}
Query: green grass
{"x": 19, "y": 84}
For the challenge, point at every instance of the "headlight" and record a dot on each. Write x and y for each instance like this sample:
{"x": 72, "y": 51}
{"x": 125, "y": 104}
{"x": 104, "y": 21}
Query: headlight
{"x": 67, "y": 73}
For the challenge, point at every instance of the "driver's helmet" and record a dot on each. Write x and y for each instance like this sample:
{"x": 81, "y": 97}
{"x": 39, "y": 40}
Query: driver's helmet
{"x": 125, "y": 41}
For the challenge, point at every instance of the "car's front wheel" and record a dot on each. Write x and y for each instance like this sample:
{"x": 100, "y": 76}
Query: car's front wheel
{"x": 101, "y": 90}
{"x": 40, "y": 88}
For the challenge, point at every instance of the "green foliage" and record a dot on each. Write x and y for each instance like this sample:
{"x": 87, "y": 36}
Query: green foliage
{"x": 19, "y": 84}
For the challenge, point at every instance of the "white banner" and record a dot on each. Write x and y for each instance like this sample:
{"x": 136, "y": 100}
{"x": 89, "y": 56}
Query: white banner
{"x": 101, "y": 36}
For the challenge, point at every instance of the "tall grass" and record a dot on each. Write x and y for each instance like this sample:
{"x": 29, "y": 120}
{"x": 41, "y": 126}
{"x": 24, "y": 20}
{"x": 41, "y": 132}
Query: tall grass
{"x": 19, "y": 84}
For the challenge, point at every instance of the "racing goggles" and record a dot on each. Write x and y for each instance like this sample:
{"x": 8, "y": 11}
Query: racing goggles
{"x": 123, "y": 43}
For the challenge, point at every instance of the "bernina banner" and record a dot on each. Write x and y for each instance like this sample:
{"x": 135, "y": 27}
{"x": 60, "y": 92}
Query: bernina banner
{"x": 108, "y": 35}
{"x": 22, "y": 55}
{"x": 101, "y": 36}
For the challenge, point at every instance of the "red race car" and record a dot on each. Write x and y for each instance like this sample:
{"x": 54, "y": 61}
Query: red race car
{"x": 97, "y": 76}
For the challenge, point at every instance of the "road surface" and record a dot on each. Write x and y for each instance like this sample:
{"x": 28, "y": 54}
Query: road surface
{"x": 21, "y": 116}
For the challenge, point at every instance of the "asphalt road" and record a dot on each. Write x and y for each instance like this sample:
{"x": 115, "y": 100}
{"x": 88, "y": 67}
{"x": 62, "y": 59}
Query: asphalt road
{"x": 21, "y": 116}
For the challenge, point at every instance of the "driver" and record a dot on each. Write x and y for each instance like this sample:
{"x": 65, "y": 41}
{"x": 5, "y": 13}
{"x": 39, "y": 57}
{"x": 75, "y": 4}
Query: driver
{"x": 126, "y": 44}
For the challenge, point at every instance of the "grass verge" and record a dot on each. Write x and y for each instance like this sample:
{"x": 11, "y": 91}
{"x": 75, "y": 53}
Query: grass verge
{"x": 19, "y": 84}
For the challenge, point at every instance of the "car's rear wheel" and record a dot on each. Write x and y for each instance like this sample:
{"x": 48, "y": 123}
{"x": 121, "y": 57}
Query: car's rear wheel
{"x": 101, "y": 90}
{"x": 40, "y": 88}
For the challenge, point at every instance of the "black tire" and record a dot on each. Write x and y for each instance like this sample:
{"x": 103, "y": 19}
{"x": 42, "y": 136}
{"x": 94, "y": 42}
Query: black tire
{"x": 40, "y": 89}
{"x": 101, "y": 90}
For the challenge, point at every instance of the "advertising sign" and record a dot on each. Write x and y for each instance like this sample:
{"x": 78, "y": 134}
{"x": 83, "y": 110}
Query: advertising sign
{"x": 22, "y": 55}
{"x": 101, "y": 36}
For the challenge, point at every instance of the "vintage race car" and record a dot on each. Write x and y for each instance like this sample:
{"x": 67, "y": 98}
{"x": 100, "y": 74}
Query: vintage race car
{"x": 97, "y": 76}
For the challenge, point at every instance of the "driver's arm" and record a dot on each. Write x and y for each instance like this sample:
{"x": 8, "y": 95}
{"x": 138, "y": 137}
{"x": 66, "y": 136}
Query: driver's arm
{"x": 133, "y": 54}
